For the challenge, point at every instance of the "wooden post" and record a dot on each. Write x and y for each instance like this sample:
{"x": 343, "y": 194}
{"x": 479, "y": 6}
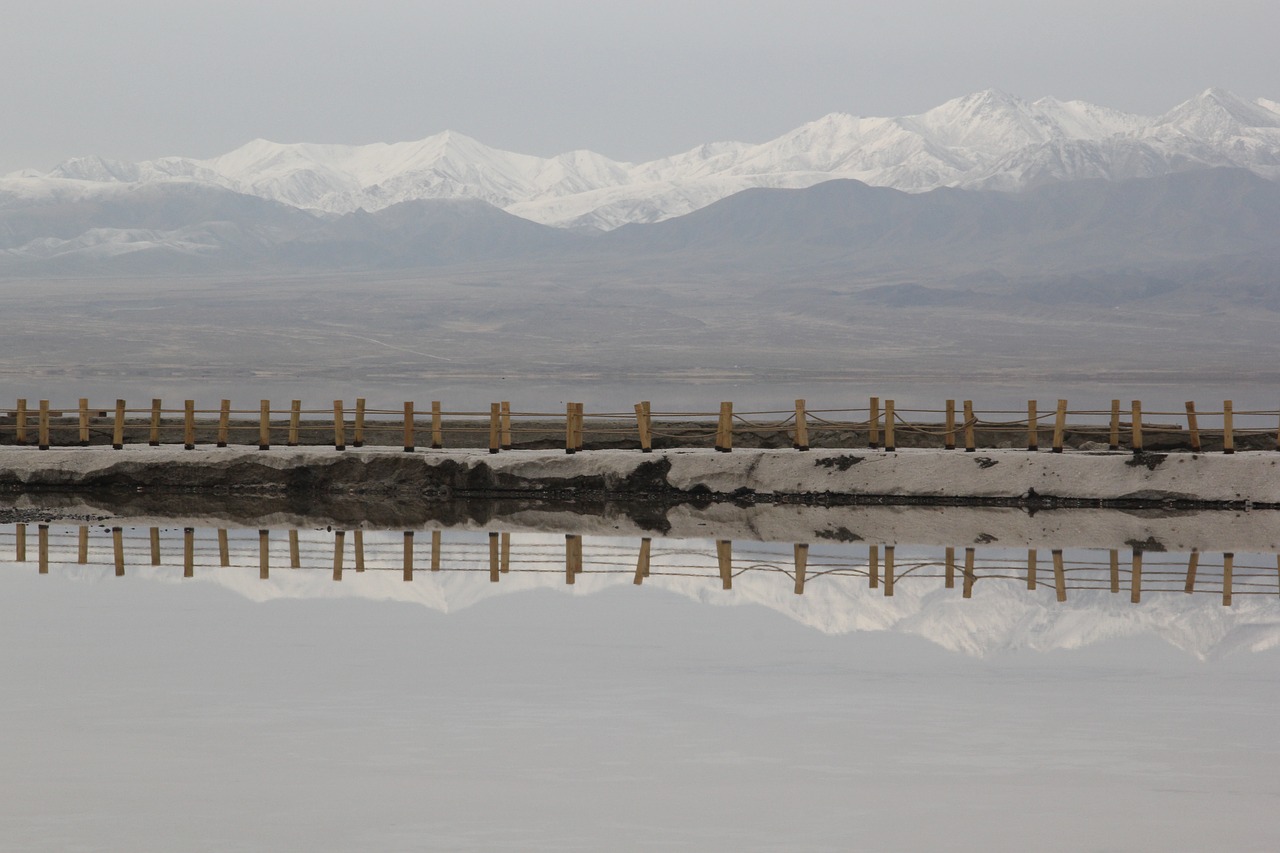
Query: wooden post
{"x": 969, "y": 445}
{"x": 295, "y": 417}
{"x": 20, "y": 417}
{"x": 642, "y": 561}
{"x": 224, "y": 422}
{"x": 505, "y": 540}
{"x": 950, "y": 440}
{"x": 43, "y": 425}
{"x": 578, "y": 428}
{"x": 20, "y": 543}
{"x": 642, "y": 427}
{"x": 1060, "y": 426}
{"x": 357, "y": 436}
{"x": 188, "y": 552}
{"x": 117, "y": 549}
{"x": 1193, "y": 563}
{"x": 264, "y": 554}
{"x": 1193, "y": 427}
{"x": 117, "y": 432}
{"x": 1228, "y": 434}
{"x": 1031, "y": 568}
{"x": 224, "y": 548}
{"x": 295, "y": 558}
{"x": 408, "y": 555}
{"x": 495, "y": 427}
{"x": 358, "y": 544}
{"x": 154, "y": 438}
{"x": 42, "y": 547}
{"x": 802, "y": 427}
{"x": 802, "y": 562}
{"x": 889, "y": 445}
{"x": 506, "y": 425}
{"x": 155, "y": 546}
{"x": 435, "y": 550}
{"x": 1033, "y": 426}
{"x": 1113, "y": 441}
{"x": 84, "y": 421}
{"x": 339, "y": 427}
{"x": 969, "y": 576}
{"x": 264, "y": 425}
{"x": 569, "y": 445}
{"x": 1135, "y": 579}
{"x": 339, "y": 539}
{"x": 724, "y": 556}
{"x": 1228, "y": 564}
{"x": 493, "y": 555}
{"x": 724, "y": 433}
{"x": 949, "y": 568}
{"x": 408, "y": 428}
{"x": 888, "y": 569}
{"x": 1115, "y": 570}
{"x": 437, "y": 427}
{"x": 1137, "y": 426}
{"x": 189, "y": 424}
{"x": 82, "y": 543}
{"x": 873, "y": 566}
{"x": 1059, "y": 575}
{"x": 873, "y": 423}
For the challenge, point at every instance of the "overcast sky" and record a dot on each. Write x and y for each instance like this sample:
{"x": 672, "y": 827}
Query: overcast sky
{"x": 135, "y": 79}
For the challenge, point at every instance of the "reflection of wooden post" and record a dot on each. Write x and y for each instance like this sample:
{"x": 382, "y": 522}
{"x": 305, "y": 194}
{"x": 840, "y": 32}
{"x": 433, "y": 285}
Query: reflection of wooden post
{"x": 949, "y": 571}
{"x": 889, "y": 444}
{"x": 295, "y": 421}
{"x": 224, "y": 548}
{"x": 358, "y": 544}
{"x": 1059, "y": 575}
{"x": 264, "y": 554}
{"x": 724, "y": 439}
{"x": 435, "y": 550}
{"x": 339, "y": 541}
{"x": 1059, "y": 426}
{"x": 1193, "y": 427}
{"x": 117, "y": 431}
{"x": 1228, "y": 563}
{"x": 970, "y": 446}
{"x": 42, "y": 425}
{"x": 1033, "y": 426}
{"x": 1193, "y": 563}
{"x": 295, "y": 559}
{"x": 949, "y": 442}
{"x": 969, "y": 576}
{"x": 188, "y": 552}
{"x": 505, "y": 539}
{"x": 20, "y": 422}
{"x": 1115, "y": 570}
{"x": 873, "y": 423}
{"x": 642, "y": 561}
{"x": 224, "y": 422}
{"x": 1031, "y": 568}
{"x": 154, "y": 437}
{"x": 802, "y": 427}
{"x": 888, "y": 562}
{"x": 1135, "y": 579}
{"x": 20, "y": 543}
{"x": 643, "y": 427}
{"x": 437, "y": 426}
{"x": 357, "y": 434}
{"x": 264, "y": 425}
{"x": 408, "y": 555}
{"x": 724, "y": 556}
{"x": 493, "y": 557}
{"x": 189, "y": 424}
{"x": 117, "y": 549}
{"x": 408, "y": 427}
{"x": 873, "y": 566}
{"x": 506, "y": 426}
{"x": 802, "y": 562}
{"x": 84, "y": 421}
{"x": 495, "y": 427}
{"x": 1113, "y": 439}
{"x": 1137, "y": 426}
{"x": 339, "y": 427}
{"x": 82, "y": 551}
{"x": 1228, "y": 433}
{"x": 42, "y": 547}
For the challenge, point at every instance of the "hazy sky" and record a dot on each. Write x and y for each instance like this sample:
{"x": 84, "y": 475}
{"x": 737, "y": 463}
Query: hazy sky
{"x": 136, "y": 79}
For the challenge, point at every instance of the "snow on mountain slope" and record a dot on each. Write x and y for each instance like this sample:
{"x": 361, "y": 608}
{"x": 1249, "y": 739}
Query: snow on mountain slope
{"x": 988, "y": 140}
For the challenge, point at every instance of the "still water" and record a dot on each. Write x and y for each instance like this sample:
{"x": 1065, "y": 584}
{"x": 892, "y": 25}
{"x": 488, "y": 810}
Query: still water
{"x": 533, "y": 687}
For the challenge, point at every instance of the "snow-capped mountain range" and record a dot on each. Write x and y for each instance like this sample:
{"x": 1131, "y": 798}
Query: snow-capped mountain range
{"x": 987, "y": 140}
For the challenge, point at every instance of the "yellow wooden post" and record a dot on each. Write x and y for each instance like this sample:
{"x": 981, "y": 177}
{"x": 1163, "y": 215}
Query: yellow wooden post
{"x": 189, "y": 424}
{"x": 950, "y": 440}
{"x": 1193, "y": 563}
{"x": 188, "y": 552}
{"x": 1060, "y": 426}
{"x": 642, "y": 561}
{"x": 437, "y": 427}
{"x": 408, "y": 429}
{"x": 155, "y": 546}
{"x": 154, "y": 437}
{"x": 1228, "y": 564}
{"x": 1031, "y": 568}
{"x": 358, "y": 544}
{"x": 20, "y": 419}
{"x": 117, "y": 432}
{"x": 295, "y": 557}
{"x": 578, "y": 425}
{"x": 802, "y": 562}
{"x": 339, "y": 427}
{"x": 888, "y": 570}
{"x": 724, "y": 556}
{"x": 264, "y": 425}
{"x": 505, "y": 540}
{"x": 295, "y": 418}
{"x": 357, "y": 435}
{"x": 20, "y": 543}
{"x": 1059, "y": 575}
{"x": 969, "y": 445}
{"x": 435, "y": 550}
{"x": 42, "y": 547}
{"x": 569, "y": 445}
{"x": 873, "y": 566}
{"x": 1115, "y": 570}
{"x": 1228, "y": 434}
{"x": 889, "y": 445}
{"x": 642, "y": 427}
{"x": 117, "y": 549}
{"x": 82, "y": 542}
{"x": 493, "y": 556}
{"x": 802, "y": 427}
{"x": 224, "y": 548}
{"x": 224, "y": 422}
{"x": 724, "y": 431}
{"x": 873, "y": 423}
{"x": 1135, "y": 579}
{"x": 43, "y": 425}
{"x": 495, "y": 427}
{"x": 949, "y": 568}
{"x": 570, "y": 568}
{"x": 969, "y": 576}
{"x": 264, "y": 554}
{"x": 1033, "y": 426}
{"x": 84, "y": 421}
{"x": 408, "y": 555}
{"x": 506, "y": 425}
{"x": 339, "y": 538}
{"x": 1113, "y": 441}
{"x": 1137, "y": 426}
{"x": 1193, "y": 427}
